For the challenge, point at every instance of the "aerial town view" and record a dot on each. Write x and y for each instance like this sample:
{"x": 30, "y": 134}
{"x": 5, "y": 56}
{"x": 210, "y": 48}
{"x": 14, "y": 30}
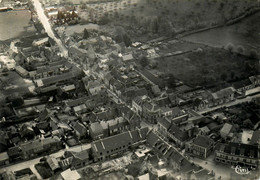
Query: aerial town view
{"x": 130, "y": 89}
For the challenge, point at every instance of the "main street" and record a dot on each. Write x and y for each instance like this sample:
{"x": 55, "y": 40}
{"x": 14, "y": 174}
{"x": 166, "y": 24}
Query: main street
{"x": 46, "y": 24}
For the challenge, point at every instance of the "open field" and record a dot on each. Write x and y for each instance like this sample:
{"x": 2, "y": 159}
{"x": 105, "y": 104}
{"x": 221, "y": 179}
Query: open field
{"x": 211, "y": 66}
{"x": 244, "y": 33}
{"x": 14, "y": 24}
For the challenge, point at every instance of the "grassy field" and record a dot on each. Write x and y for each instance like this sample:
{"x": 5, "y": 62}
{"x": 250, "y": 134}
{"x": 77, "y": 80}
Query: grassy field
{"x": 14, "y": 24}
{"x": 244, "y": 33}
{"x": 175, "y": 15}
{"x": 209, "y": 67}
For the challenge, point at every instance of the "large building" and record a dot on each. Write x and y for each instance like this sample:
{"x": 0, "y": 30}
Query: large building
{"x": 238, "y": 154}
{"x": 113, "y": 146}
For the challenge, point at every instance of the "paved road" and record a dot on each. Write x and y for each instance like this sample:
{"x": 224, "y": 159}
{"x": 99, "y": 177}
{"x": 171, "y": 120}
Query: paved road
{"x": 45, "y": 22}
{"x": 237, "y": 101}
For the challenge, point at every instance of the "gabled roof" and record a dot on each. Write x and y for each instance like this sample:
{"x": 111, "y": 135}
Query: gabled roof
{"x": 138, "y": 100}
{"x": 114, "y": 123}
{"x": 226, "y": 128}
{"x": 53, "y": 163}
{"x": 94, "y": 84}
{"x": 96, "y": 128}
{"x": 152, "y": 107}
{"x": 119, "y": 140}
{"x": 80, "y": 128}
{"x": 127, "y": 57}
{"x": 152, "y": 78}
{"x": 178, "y": 133}
{"x": 223, "y": 93}
{"x": 176, "y": 110}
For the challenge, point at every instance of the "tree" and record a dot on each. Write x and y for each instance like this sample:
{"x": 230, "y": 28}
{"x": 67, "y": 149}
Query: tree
{"x": 230, "y": 47}
{"x": 232, "y": 75}
{"x": 85, "y": 34}
{"x": 240, "y": 50}
{"x": 16, "y": 100}
{"x": 223, "y": 76}
{"x": 253, "y": 54}
{"x": 143, "y": 61}
{"x": 171, "y": 81}
{"x": 5, "y": 112}
{"x": 127, "y": 40}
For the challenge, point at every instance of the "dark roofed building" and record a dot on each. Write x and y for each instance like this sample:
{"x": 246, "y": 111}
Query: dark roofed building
{"x": 118, "y": 144}
{"x": 163, "y": 126}
{"x": 75, "y": 159}
{"x": 151, "y": 78}
{"x": 80, "y": 130}
{"x": 201, "y": 146}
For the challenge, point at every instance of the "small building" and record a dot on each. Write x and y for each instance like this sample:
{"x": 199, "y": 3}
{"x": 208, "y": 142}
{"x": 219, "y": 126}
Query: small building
{"x": 127, "y": 57}
{"x": 75, "y": 160}
{"x": 223, "y": 96}
{"x": 80, "y": 109}
{"x": 96, "y": 131}
{"x": 4, "y": 159}
{"x": 80, "y": 130}
{"x": 225, "y": 130}
{"x": 53, "y": 163}
{"x": 93, "y": 87}
{"x": 163, "y": 126}
{"x": 151, "y": 111}
{"x": 41, "y": 42}
{"x": 70, "y": 175}
{"x": 137, "y": 105}
{"x": 21, "y": 71}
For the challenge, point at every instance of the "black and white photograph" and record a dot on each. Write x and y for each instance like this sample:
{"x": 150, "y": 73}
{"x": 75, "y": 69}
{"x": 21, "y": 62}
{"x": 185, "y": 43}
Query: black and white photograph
{"x": 129, "y": 89}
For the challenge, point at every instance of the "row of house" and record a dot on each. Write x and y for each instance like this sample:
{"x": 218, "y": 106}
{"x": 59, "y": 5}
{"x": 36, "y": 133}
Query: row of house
{"x": 34, "y": 148}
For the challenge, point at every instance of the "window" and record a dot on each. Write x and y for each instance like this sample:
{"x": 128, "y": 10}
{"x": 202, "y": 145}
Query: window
{"x": 100, "y": 154}
{"x": 107, "y": 152}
